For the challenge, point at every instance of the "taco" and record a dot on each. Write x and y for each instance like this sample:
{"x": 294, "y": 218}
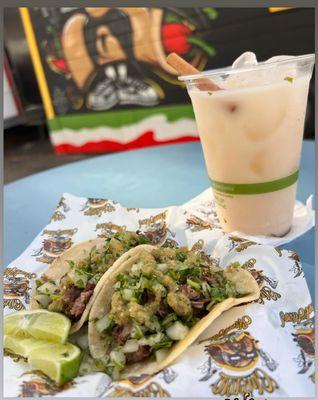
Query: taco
{"x": 156, "y": 303}
{"x": 73, "y": 280}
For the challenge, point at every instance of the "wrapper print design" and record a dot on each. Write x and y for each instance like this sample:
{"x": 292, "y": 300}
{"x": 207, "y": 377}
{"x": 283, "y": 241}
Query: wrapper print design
{"x": 234, "y": 349}
{"x": 16, "y": 288}
{"x": 238, "y": 355}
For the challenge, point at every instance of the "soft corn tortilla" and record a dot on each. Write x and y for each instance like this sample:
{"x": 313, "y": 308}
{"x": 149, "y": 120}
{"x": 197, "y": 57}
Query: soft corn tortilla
{"x": 244, "y": 283}
{"x": 60, "y": 267}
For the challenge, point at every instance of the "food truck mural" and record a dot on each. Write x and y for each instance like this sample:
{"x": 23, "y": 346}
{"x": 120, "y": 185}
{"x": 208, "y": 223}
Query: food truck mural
{"x": 104, "y": 73}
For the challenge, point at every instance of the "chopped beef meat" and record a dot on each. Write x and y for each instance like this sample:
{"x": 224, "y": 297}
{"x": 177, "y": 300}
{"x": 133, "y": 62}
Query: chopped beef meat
{"x": 196, "y": 298}
{"x": 163, "y": 309}
{"x": 70, "y": 295}
{"x": 147, "y": 297}
{"x": 121, "y": 333}
{"x": 199, "y": 304}
{"x": 75, "y": 300}
{"x": 139, "y": 355}
{"x": 190, "y": 292}
{"x": 208, "y": 276}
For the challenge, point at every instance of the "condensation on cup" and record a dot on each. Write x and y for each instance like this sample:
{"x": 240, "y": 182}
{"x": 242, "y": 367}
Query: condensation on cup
{"x": 251, "y": 133}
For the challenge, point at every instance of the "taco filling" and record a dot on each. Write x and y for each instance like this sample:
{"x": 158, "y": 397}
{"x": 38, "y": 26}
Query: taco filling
{"x": 73, "y": 291}
{"x": 156, "y": 302}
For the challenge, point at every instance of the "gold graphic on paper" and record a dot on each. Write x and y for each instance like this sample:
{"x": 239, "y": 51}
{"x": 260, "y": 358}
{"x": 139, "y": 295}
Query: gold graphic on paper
{"x": 258, "y": 381}
{"x": 279, "y": 251}
{"x": 136, "y": 209}
{"x": 300, "y": 315}
{"x": 240, "y": 324}
{"x": 266, "y": 292}
{"x": 14, "y": 357}
{"x": 97, "y": 207}
{"x": 59, "y": 232}
{"x": 155, "y": 228}
{"x": 240, "y": 244}
{"x": 58, "y": 214}
{"x": 296, "y": 268}
{"x": 196, "y": 224}
{"x": 153, "y": 219}
{"x": 198, "y": 246}
{"x": 108, "y": 228}
{"x": 235, "y": 349}
{"x": 40, "y": 385}
{"x": 16, "y": 287}
{"x": 136, "y": 382}
{"x": 56, "y": 242}
{"x": 151, "y": 390}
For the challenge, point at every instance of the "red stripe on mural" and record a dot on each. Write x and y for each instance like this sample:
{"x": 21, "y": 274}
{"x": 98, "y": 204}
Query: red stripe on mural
{"x": 105, "y": 146}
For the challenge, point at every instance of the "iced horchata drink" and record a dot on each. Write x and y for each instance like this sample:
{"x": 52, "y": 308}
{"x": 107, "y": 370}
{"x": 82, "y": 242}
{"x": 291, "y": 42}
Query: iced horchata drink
{"x": 251, "y": 132}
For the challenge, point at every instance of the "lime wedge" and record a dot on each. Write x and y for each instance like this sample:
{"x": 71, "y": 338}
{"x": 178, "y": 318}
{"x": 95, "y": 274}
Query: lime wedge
{"x": 22, "y": 346}
{"x": 39, "y": 324}
{"x": 60, "y": 362}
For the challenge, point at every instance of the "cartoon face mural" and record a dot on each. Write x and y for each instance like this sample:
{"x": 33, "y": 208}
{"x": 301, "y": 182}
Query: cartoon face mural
{"x": 114, "y": 57}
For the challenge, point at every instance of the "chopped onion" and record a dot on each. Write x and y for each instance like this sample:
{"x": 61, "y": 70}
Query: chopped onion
{"x": 103, "y": 324}
{"x": 131, "y": 346}
{"x": 88, "y": 365}
{"x": 127, "y": 294}
{"x": 162, "y": 267}
{"x": 161, "y": 354}
{"x": 118, "y": 357}
{"x": 47, "y": 288}
{"x": 43, "y": 299}
{"x": 177, "y": 331}
{"x": 136, "y": 268}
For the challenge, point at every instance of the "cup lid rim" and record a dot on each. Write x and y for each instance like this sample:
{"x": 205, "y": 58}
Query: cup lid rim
{"x": 261, "y": 65}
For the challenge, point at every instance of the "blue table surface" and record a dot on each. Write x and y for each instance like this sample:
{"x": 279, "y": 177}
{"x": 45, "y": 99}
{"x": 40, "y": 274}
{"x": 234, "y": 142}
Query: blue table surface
{"x": 152, "y": 177}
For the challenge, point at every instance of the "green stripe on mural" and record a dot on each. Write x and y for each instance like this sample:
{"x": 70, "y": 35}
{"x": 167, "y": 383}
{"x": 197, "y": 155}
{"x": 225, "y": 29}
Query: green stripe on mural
{"x": 255, "y": 188}
{"x": 116, "y": 119}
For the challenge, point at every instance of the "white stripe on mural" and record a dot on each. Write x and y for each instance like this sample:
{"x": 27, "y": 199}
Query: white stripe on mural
{"x": 163, "y": 130}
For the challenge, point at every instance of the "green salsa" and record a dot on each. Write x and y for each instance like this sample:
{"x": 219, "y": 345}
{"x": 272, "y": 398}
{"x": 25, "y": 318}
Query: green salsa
{"x": 156, "y": 303}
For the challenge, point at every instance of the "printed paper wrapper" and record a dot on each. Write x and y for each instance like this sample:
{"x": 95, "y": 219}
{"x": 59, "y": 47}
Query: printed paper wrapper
{"x": 265, "y": 348}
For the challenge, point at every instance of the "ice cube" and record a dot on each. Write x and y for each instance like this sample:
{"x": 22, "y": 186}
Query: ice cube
{"x": 245, "y": 60}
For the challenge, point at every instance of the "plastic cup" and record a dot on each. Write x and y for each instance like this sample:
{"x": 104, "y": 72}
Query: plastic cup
{"x": 251, "y": 133}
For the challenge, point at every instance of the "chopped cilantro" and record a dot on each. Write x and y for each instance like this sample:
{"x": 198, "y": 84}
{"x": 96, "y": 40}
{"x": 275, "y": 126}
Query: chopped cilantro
{"x": 38, "y": 283}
